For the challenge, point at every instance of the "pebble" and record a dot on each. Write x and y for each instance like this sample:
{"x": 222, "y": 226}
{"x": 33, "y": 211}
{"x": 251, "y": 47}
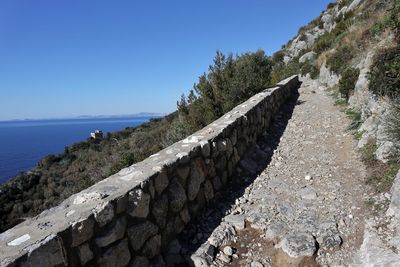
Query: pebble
{"x": 224, "y": 258}
{"x": 228, "y": 251}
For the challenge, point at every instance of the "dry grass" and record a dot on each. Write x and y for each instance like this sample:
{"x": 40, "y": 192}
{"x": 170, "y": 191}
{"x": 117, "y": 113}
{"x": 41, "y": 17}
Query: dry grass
{"x": 381, "y": 175}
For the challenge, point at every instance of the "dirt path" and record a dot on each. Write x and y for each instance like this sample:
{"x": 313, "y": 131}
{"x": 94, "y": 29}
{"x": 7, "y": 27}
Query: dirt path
{"x": 313, "y": 188}
{"x": 307, "y": 207}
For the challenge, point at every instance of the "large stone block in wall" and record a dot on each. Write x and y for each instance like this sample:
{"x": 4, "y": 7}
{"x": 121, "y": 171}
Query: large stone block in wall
{"x": 140, "y": 233}
{"x": 197, "y": 176}
{"x": 82, "y": 231}
{"x": 152, "y": 247}
{"x": 104, "y": 213}
{"x": 116, "y": 256}
{"x": 161, "y": 182}
{"x": 176, "y": 195}
{"x": 49, "y": 252}
{"x": 114, "y": 233}
{"x": 160, "y": 210}
{"x": 138, "y": 203}
{"x": 85, "y": 254}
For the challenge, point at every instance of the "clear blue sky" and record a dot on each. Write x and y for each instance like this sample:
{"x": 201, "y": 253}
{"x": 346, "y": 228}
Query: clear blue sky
{"x": 73, "y": 57}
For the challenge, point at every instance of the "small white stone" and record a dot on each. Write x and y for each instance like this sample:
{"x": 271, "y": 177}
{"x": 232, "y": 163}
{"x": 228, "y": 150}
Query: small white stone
{"x": 228, "y": 251}
{"x": 192, "y": 139}
{"x": 69, "y": 213}
{"x": 308, "y": 177}
{"x": 18, "y": 241}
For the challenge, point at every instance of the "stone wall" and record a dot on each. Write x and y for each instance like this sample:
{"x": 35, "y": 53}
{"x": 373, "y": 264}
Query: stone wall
{"x": 130, "y": 217}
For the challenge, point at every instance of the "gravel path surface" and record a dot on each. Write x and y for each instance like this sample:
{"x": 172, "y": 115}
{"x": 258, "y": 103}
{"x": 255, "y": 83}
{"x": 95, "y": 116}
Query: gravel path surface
{"x": 299, "y": 197}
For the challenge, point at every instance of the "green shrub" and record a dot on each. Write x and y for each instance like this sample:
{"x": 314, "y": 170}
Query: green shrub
{"x": 277, "y": 57}
{"x": 331, "y": 5}
{"x": 382, "y": 175}
{"x": 282, "y": 71}
{"x": 348, "y": 81}
{"x": 126, "y": 160}
{"x": 388, "y": 176}
{"x": 358, "y": 134}
{"x": 179, "y": 130}
{"x": 340, "y": 102}
{"x": 317, "y": 22}
{"x": 394, "y": 19}
{"x": 377, "y": 28}
{"x": 309, "y": 67}
{"x": 48, "y": 161}
{"x": 390, "y": 21}
{"x": 344, "y": 3}
{"x": 323, "y": 43}
{"x": 385, "y": 73}
{"x": 368, "y": 153}
{"x": 355, "y": 117}
{"x": 340, "y": 59}
{"x": 303, "y": 37}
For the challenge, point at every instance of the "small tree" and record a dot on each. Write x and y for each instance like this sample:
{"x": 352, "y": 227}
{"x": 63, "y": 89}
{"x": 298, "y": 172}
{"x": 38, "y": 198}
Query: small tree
{"x": 348, "y": 81}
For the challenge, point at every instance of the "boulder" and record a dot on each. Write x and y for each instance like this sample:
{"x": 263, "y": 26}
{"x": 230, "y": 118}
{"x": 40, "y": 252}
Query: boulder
{"x": 298, "y": 245}
{"x": 310, "y": 56}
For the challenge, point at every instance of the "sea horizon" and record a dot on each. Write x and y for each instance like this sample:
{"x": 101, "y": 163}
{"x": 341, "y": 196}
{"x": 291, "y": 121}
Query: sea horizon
{"x": 25, "y": 142}
{"x": 80, "y": 117}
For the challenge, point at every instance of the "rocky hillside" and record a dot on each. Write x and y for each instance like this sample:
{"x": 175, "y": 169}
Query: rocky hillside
{"x": 353, "y": 49}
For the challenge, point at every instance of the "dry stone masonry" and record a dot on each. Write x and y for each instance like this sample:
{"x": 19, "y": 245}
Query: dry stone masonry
{"x": 132, "y": 216}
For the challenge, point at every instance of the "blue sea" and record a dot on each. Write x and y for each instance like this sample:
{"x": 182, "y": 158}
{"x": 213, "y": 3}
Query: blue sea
{"x": 24, "y": 143}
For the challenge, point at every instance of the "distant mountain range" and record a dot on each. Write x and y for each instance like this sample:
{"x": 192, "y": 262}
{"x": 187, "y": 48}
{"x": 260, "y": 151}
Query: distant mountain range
{"x": 81, "y": 117}
{"x": 141, "y": 114}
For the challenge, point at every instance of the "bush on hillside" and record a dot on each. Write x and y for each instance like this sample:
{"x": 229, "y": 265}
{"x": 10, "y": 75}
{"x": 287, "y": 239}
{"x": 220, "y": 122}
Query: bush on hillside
{"x": 179, "y": 130}
{"x": 229, "y": 81}
{"x": 309, "y": 67}
{"x": 348, "y": 81}
{"x": 331, "y": 5}
{"x": 340, "y": 59}
{"x": 385, "y": 73}
{"x": 277, "y": 57}
{"x": 344, "y": 3}
{"x": 355, "y": 117}
{"x": 323, "y": 43}
{"x": 394, "y": 19}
